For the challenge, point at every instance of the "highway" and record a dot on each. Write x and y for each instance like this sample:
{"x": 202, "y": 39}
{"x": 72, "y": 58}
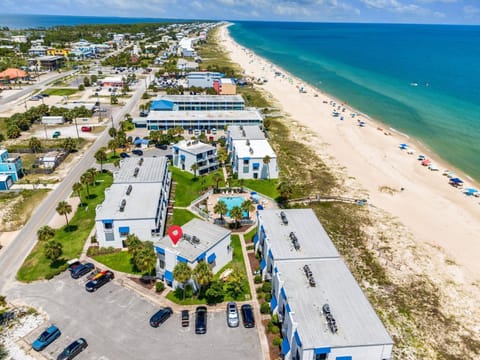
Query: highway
{"x": 12, "y": 257}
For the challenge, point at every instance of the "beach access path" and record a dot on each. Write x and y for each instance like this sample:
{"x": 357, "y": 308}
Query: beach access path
{"x": 437, "y": 216}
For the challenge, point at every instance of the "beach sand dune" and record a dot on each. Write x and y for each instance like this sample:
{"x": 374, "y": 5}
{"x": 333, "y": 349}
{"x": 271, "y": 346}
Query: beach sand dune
{"x": 435, "y": 228}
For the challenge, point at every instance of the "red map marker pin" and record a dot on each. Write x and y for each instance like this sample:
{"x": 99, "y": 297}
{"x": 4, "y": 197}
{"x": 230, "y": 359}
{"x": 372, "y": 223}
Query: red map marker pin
{"x": 175, "y": 232}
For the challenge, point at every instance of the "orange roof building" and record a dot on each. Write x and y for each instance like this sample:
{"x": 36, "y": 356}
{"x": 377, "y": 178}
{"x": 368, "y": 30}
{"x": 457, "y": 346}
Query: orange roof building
{"x": 13, "y": 74}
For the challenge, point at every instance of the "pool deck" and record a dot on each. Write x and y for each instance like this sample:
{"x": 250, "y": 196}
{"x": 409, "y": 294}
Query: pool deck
{"x": 213, "y": 199}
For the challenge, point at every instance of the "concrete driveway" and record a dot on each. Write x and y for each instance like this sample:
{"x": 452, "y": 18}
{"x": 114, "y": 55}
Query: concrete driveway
{"x": 115, "y": 322}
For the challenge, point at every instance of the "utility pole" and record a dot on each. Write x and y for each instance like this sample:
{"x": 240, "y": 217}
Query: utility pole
{"x": 111, "y": 118}
{"x": 45, "y": 128}
{"x": 76, "y": 127}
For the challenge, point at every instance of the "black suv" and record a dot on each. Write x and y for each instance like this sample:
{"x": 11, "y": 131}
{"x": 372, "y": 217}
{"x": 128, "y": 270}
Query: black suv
{"x": 73, "y": 349}
{"x": 201, "y": 320}
{"x": 137, "y": 152}
{"x": 247, "y": 315}
{"x": 99, "y": 280}
{"x": 160, "y": 316}
{"x": 81, "y": 270}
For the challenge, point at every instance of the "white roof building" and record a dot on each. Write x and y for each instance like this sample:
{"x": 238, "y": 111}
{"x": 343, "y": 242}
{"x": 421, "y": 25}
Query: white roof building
{"x": 247, "y": 157}
{"x": 307, "y": 273}
{"x": 201, "y": 241}
{"x": 187, "y": 153}
{"x": 136, "y": 203}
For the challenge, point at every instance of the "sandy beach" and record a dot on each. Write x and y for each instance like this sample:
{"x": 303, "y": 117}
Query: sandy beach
{"x": 438, "y": 219}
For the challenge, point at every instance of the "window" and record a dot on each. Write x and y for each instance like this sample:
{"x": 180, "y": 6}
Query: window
{"x": 245, "y": 161}
{"x": 321, "y": 356}
{"x": 108, "y": 226}
{"x": 255, "y": 175}
{"x": 162, "y": 264}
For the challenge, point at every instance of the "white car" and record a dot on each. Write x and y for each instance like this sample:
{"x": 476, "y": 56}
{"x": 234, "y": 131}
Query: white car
{"x": 232, "y": 315}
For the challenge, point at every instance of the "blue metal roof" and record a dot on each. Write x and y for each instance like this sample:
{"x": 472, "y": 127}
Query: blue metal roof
{"x": 161, "y": 105}
{"x": 285, "y": 346}
{"x": 211, "y": 258}
{"x": 160, "y": 250}
{"x": 168, "y": 276}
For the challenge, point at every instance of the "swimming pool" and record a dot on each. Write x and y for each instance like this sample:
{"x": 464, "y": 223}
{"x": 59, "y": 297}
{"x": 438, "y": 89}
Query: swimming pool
{"x": 233, "y": 201}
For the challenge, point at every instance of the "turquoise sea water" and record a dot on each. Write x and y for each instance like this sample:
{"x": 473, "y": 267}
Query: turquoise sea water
{"x": 373, "y": 67}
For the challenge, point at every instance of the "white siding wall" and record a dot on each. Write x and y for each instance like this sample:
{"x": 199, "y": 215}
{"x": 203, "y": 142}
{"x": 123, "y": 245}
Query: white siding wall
{"x": 222, "y": 252}
{"x": 263, "y": 172}
{"x": 141, "y": 228}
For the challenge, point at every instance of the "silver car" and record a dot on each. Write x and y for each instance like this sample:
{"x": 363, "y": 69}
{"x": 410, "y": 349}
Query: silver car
{"x": 232, "y": 315}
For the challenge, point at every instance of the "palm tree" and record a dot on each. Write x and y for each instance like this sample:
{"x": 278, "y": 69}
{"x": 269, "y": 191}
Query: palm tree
{"x": 45, "y": 233}
{"x": 85, "y": 179}
{"x": 69, "y": 144}
{"x": 145, "y": 258}
{"x": 93, "y": 172}
{"x": 194, "y": 168}
{"x": 64, "y": 208}
{"x": 101, "y": 156}
{"x": 112, "y": 132}
{"x": 112, "y": 145}
{"x": 77, "y": 189}
{"x": 236, "y": 213}
{"x": 116, "y": 162}
{"x": 248, "y": 206}
{"x": 53, "y": 250}
{"x": 217, "y": 177}
{"x": 34, "y": 144}
{"x": 285, "y": 189}
{"x": 266, "y": 161}
{"x": 220, "y": 208}
{"x": 241, "y": 182}
{"x": 133, "y": 243}
{"x": 182, "y": 273}
{"x": 203, "y": 274}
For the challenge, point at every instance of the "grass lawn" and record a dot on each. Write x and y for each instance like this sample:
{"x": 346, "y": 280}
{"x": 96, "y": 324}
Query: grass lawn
{"x": 172, "y": 296}
{"x": 249, "y": 236}
{"x": 265, "y": 187}
{"x": 60, "y": 92}
{"x": 36, "y": 266}
{"x": 182, "y": 216}
{"x": 188, "y": 187}
{"x": 120, "y": 261}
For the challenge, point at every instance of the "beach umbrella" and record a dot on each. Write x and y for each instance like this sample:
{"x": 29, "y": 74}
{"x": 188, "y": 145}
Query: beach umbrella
{"x": 426, "y": 162}
{"x": 403, "y": 146}
{"x": 470, "y": 191}
{"x": 456, "y": 181}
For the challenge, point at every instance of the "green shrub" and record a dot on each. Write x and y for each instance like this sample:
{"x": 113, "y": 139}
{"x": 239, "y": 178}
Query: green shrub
{"x": 257, "y": 279}
{"x": 268, "y": 297}
{"x": 95, "y": 250}
{"x": 265, "y": 308}
{"x": 259, "y": 296}
{"x": 275, "y": 319}
{"x": 275, "y": 329}
{"x": 159, "y": 287}
{"x": 277, "y": 341}
{"x": 267, "y": 287}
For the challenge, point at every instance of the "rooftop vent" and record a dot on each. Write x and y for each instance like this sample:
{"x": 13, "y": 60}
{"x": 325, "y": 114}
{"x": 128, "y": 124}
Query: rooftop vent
{"x": 309, "y": 275}
{"x": 140, "y": 162}
{"x": 284, "y": 218}
{"x": 248, "y": 142}
{"x": 123, "y": 204}
{"x": 244, "y": 134}
{"x": 251, "y": 150}
{"x": 129, "y": 189}
{"x": 330, "y": 319}
{"x": 295, "y": 242}
{"x": 135, "y": 173}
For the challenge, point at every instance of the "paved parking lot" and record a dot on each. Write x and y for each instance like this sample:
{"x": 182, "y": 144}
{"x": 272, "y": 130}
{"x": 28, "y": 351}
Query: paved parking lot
{"x": 115, "y": 322}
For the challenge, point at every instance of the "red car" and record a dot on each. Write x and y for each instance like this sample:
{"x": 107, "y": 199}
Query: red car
{"x": 86, "y": 128}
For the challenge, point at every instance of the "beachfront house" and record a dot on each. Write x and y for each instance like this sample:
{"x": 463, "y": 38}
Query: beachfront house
{"x": 201, "y": 241}
{"x": 215, "y": 119}
{"x": 322, "y": 310}
{"x": 253, "y": 159}
{"x": 136, "y": 203}
{"x": 225, "y": 86}
{"x": 186, "y": 153}
{"x": 10, "y": 166}
{"x": 197, "y": 103}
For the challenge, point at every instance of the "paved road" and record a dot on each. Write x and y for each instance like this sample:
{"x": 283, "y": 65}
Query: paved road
{"x": 114, "y": 321}
{"x": 12, "y": 257}
{"x": 29, "y": 88}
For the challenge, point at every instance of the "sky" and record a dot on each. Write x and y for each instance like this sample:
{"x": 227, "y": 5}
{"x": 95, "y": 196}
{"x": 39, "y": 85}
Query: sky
{"x": 385, "y": 11}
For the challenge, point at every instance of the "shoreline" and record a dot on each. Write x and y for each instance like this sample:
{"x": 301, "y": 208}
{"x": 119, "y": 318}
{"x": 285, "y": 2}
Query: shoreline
{"x": 433, "y": 211}
{"x": 418, "y": 145}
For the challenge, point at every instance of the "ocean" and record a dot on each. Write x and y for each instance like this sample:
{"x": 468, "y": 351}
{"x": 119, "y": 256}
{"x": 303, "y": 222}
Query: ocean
{"x": 422, "y": 80}
{"x": 17, "y": 21}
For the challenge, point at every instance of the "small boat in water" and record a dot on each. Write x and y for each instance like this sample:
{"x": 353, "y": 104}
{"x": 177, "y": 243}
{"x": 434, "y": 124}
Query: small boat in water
{"x": 413, "y": 84}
